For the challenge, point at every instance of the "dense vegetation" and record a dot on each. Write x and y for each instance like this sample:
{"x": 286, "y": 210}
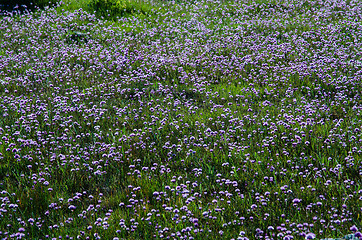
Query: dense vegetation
{"x": 23, "y": 5}
{"x": 181, "y": 120}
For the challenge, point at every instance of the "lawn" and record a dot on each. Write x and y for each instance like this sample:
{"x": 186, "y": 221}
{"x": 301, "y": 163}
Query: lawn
{"x": 181, "y": 120}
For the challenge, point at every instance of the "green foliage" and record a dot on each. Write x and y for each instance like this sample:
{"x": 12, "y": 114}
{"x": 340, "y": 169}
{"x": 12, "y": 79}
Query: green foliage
{"x": 111, "y": 9}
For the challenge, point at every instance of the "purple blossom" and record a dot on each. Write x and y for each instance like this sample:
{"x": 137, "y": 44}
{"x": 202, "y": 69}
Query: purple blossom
{"x": 354, "y": 228}
{"x": 310, "y": 236}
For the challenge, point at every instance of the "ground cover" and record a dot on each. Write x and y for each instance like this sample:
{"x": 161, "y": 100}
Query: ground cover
{"x": 191, "y": 120}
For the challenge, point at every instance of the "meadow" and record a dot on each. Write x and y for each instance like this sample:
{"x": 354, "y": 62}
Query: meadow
{"x": 199, "y": 119}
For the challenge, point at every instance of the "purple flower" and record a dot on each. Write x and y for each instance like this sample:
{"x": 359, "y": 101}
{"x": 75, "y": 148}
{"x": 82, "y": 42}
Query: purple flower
{"x": 296, "y": 200}
{"x": 310, "y": 236}
{"x": 354, "y": 228}
{"x": 72, "y": 207}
